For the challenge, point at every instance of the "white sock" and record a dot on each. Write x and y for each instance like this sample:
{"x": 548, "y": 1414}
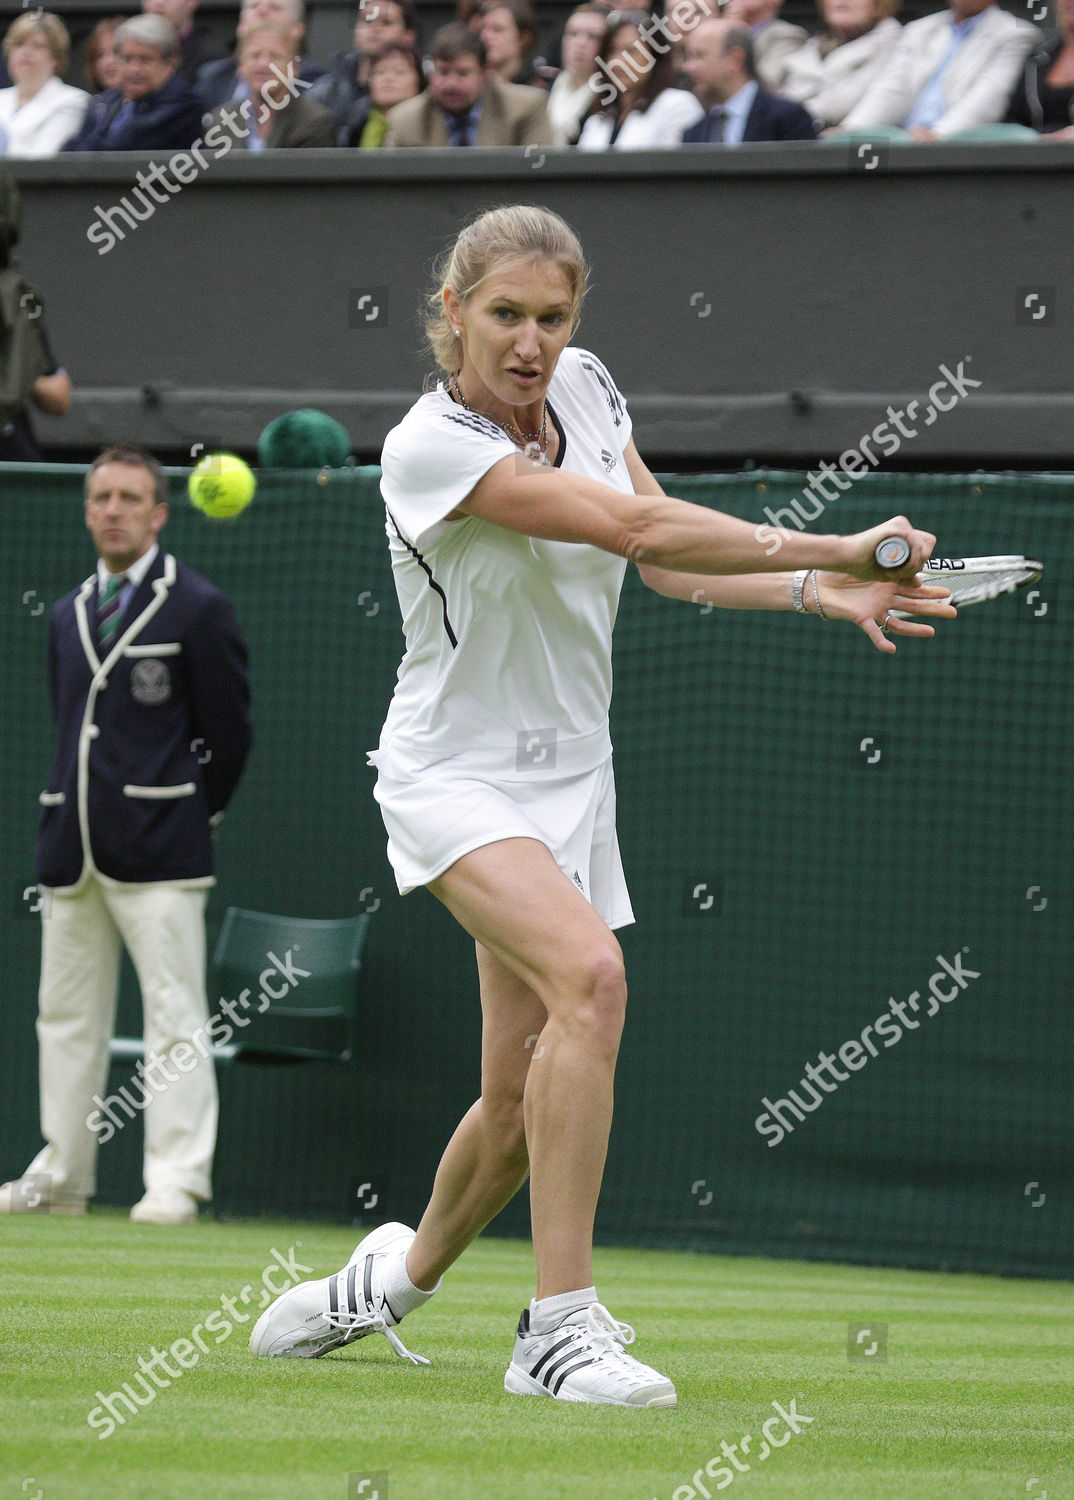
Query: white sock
{"x": 550, "y": 1312}
{"x": 403, "y": 1296}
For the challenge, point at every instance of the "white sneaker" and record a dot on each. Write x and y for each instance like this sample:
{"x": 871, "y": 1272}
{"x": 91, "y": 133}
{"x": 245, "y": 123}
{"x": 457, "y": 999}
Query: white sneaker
{"x": 33, "y": 1193}
{"x": 584, "y": 1360}
{"x": 171, "y": 1206}
{"x": 310, "y": 1319}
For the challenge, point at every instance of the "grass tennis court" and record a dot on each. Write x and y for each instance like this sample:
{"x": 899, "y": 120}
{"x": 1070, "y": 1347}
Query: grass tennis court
{"x": 975, "y": 1398}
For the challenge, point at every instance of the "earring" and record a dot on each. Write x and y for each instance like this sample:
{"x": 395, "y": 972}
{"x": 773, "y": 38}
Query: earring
{"x": 458, "y": 335}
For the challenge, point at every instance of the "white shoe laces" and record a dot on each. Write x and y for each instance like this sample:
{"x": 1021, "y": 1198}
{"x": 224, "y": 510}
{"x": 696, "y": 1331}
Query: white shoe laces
{"x": 354, "y": 1324}
{"x": 607, "y": 1331}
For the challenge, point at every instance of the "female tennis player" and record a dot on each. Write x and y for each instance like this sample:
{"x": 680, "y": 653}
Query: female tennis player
{"x": 515, "y": 499}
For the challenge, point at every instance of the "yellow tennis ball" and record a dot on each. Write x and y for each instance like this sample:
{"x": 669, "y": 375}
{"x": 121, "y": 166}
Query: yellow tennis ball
{"x": 222, "y": 485}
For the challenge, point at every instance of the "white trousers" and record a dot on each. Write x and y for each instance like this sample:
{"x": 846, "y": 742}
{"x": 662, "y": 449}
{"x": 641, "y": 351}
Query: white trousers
{"x": 162, "y": 927}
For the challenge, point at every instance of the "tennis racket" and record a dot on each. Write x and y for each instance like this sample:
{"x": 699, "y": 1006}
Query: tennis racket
{"x": 972, "y": 580}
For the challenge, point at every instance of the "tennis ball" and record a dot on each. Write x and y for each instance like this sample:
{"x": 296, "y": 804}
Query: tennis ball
{"x": 221, "y": 486}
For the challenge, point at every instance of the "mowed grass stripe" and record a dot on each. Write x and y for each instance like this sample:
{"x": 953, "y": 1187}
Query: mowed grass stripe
{"x": 976, "y": 1397}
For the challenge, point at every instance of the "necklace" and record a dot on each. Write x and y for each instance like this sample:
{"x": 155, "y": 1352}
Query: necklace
{"x": 533, "y": 444}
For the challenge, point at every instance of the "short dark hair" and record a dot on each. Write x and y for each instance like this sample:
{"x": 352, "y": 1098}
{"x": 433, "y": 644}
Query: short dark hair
{"x": 402, "y": 49}
{"x": 137, "y": 458}
{"x": 457, "y": 40}
{"x": 742, "y": 38}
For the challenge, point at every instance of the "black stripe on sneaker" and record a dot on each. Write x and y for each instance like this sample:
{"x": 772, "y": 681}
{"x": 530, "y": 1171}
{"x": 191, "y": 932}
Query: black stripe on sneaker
{"x": 547, "y": 1355}
{"x": 352, "y": 1299}
{"x": 524, "y": 1323}
{"x": 546, "y": 1378}
{"x": 368, "y": 1284}
{"x": 333, "y": 1297}
{"x": 570, "y": 1371}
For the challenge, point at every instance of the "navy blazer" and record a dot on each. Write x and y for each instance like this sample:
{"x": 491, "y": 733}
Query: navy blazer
{"x": 169, "y": 119}
{"x": 216, "y": 81}
{"x": 771, "y": 118}
{"x": 152, "y": 740}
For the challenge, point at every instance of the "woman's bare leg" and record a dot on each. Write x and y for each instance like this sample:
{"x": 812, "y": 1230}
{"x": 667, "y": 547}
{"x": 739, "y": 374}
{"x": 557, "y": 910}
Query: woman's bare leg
{"x": 520, "y": 907}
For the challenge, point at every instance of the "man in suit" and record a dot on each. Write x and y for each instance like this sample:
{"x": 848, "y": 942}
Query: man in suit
{"x": 718, "y": 60}
{"x": 197, "y": 45}
{"x": 774, "y": 41}
{"x": 217, "y": 82}
{"x": 951, "y": 71}
{"x": 466, "y": 104}
{"x": 154, "y": 108}
{"x": 276, "y": 114}
{"x": 147, "y": 673}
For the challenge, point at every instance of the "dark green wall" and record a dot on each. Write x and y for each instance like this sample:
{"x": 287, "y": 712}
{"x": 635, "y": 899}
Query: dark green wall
{"x": 739, "y": 766}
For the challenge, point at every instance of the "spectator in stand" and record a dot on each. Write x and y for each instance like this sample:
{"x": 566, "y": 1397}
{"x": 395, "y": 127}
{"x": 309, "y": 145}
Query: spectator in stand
{"x": 345, "y": 85}
{"x": 39, "y": 112}
{"x": 1044, "y": 95}
{"x": 395, "y": 74}
{"x": 637, "y": 103}
{"x": 721, "y": 66}
{"x": 218, "y": 82}
{"x": 100, "y": 63}
{"x": 153, "y": 109}
{"x": 835, "y": 69}
{"x": 774, "y": 41}
{"x": 197, "y": 45}
{"x": 272, "y": 116}
{"x": 508, "y": 29}
{"x": 571, "y": 96}
{"x": 951, "y": 71}
{"x": 466, "y": 104}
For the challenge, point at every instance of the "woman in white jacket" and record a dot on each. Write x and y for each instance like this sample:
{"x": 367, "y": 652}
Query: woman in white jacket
{"x": 39, "y": 112}
{"x": 833, "y": 70}
{"x": 637, "y": 103}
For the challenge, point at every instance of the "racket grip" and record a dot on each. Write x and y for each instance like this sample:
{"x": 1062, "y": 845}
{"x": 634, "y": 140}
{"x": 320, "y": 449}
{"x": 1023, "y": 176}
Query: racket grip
{"x": 892, "y": 552}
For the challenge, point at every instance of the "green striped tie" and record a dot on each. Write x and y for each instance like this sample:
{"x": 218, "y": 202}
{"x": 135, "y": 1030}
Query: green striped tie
{"x": 108, "y": 609}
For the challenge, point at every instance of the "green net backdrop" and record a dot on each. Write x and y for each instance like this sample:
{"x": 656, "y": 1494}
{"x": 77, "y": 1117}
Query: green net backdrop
{"x": 805, "y": 824}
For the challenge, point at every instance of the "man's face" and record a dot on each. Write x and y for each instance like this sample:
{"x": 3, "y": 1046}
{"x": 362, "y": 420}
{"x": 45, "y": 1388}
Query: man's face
{"x": 582, "y": 37}
{"x": 713, "y": 73}
{"x": 264, "y": 59}
{"x": 178, "y": 12}
{"x": 280, "y": 11}
{"x": 962, "y": 10}
{"x": 457, "y": 83}
{"x": 379, "y": 22}
{"x": 122, "y": 514}
{"x": 142, "y": 70}
{"x": 850, "y": 16}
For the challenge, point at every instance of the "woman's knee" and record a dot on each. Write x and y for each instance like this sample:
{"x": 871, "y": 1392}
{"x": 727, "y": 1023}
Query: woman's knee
{"x": 594, "y": 993}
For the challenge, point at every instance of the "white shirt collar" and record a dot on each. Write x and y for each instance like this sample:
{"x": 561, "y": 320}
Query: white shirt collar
{"x": 135, "y": 573}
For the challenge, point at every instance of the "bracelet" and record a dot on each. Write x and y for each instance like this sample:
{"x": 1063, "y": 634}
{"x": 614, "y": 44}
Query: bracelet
{"x": 797, "y": 584}
{"x": 816, "y": 596}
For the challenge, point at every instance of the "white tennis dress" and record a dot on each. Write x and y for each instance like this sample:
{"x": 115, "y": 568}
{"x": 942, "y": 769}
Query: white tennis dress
{"x": 498, "y": 727}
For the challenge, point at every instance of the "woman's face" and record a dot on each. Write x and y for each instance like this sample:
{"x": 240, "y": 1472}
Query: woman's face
{"x": 850, "y": 16}
{"x": 640, "y": 61}
{"x": 106, "y": 69}
{"x": 582, "y": 37}
{"x": 391, "y": 80}
{"x": 514, "y": 328}
{"x": 31, "y": 60}
{"x": 502, "y": 38}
